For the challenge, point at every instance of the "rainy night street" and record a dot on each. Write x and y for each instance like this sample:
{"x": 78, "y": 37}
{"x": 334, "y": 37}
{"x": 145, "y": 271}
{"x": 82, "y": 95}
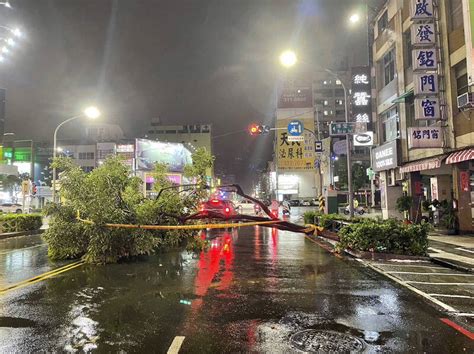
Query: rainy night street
{"x": 256, "y": 289}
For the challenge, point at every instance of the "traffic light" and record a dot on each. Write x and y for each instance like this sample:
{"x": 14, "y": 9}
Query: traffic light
{"x": 259, "y": 129}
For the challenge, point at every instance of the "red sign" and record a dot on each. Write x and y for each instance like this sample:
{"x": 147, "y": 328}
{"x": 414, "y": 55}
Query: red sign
{"x": 296, "y": 95}
{"x": 418, "y": 188}
{"x": 464, "y": 177}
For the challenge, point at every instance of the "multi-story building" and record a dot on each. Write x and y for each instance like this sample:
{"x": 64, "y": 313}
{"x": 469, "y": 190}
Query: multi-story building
{"x": 425, "y": 138}
{"x": 328, "y": 96}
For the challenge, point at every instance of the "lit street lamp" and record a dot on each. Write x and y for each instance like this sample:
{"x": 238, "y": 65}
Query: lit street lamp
{"x": 6, "y": 4}
{"x": 354, "y": 18}
{"x": 89, "y": 112}
{"x": 15, "y": 31}
{"x": 288, "y": 58}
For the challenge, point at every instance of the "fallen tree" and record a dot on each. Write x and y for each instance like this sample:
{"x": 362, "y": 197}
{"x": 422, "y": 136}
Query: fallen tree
{"x": 109, "y": 194}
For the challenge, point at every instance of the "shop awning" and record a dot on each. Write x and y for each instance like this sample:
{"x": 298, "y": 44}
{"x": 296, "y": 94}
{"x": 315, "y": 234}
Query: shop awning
{"x": 426, "y": 164}
{"x": 460, "y": 156}
{"x": 401, "y": 98}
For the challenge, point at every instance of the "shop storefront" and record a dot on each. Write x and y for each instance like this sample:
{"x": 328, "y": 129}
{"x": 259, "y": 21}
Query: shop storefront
{"x": 462, "y": 163}
{"x": 428, "y": 180}
{"x": 385, "y": 161}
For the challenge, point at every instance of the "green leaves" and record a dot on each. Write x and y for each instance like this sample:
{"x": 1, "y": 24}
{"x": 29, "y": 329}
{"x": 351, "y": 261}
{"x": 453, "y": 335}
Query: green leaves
{"x": 110, "y": 194}
{"x": 20, "y": 222}
{"x": 387, "y": 236}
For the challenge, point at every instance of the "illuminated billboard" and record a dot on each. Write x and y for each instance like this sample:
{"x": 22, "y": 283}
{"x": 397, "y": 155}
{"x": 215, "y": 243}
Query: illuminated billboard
{"x": 149, "y": 152}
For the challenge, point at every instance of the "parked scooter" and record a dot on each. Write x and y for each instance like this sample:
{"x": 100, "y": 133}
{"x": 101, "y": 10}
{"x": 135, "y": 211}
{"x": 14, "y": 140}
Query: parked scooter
{"x": 359, "y": 210}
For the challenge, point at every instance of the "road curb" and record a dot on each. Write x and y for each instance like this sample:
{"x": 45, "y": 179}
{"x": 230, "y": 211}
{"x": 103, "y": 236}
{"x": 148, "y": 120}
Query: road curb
{"x": 20, "y": 233}
{"x": 447, "y": 264}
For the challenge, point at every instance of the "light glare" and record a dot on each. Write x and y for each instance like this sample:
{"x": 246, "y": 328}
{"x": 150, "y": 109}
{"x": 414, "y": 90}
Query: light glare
{"x": 354, "y": 18}
{"x": 288, "y": 58}
{"x": 92, "y": 112}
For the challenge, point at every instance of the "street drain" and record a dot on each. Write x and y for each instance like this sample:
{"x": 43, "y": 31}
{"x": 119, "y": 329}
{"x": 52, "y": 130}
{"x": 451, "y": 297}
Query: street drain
{"x": 313, "y": 340}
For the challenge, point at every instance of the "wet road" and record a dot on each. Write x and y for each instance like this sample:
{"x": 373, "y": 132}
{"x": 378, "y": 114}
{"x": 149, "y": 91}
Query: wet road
{"x": 257, "y": 290}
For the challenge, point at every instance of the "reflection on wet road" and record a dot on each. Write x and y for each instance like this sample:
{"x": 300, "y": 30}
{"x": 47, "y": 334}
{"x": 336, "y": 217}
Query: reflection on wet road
{"x": 255, "y": 289}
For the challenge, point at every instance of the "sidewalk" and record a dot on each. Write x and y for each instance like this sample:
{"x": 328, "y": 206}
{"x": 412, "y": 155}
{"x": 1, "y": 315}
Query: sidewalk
{"x": 452, "y": 251}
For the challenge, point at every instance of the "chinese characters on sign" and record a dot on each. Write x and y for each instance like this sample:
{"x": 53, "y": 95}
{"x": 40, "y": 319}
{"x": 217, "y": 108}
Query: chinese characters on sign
{"x": 427, "y": 108}
{"x": 421, "y": 9}
{"x": 295, "y": 155}
{"x": 426, "y": 137}
{"x": 426, "y": 84}
{"x": 425, "y": 59}
{"x": 361, "y": 94}
{"x": 423, "y": 34}
{"x": 425, "y": 64}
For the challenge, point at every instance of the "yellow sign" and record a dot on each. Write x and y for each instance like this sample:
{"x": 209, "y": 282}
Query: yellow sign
{"x": 295, "y": 155}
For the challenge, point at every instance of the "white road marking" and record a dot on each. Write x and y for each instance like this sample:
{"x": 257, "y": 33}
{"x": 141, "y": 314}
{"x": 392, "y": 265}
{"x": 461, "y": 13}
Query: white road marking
{"x": 464, "y": 314}
{"x": 412, "y": 288}
{"x": 421, "y": 273}
{"x": 427, "y": 283}
{"x": 176, "y": 345}
{"x": 435, "y": 250}
{"x": 453, "y": 296}
{"x": 407, "y": 265}
{"x": 463, "y": 249}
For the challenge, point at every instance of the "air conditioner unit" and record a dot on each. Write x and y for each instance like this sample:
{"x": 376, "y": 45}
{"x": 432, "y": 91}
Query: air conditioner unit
{"x": 465, "y": 100}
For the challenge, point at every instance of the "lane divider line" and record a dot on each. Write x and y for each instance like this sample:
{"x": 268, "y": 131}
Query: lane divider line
{"x": 453, "y": 296}
{"x": 464, "y": 314}
{"x": 176, "y": 345}
{"x": 458, "y": 328}
{"x": 428, "y": 273}
{"x": 428, "y": 283}
{"x": 41, "y": 277}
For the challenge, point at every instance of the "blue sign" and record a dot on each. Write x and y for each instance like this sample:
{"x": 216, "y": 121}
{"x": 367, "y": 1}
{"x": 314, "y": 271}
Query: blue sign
{"x": 295, "y": 128}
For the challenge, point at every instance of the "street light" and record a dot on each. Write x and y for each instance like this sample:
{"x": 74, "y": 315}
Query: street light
{"x": 354, "y": 18}
{"x": 15, "y": 31}
{"x": 6, "y": 4}
{"x": 91, "y": 113}
{"x": 288, "y": 58}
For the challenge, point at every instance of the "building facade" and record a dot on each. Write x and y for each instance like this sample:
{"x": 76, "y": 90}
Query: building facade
{"x": 422, "y": 63}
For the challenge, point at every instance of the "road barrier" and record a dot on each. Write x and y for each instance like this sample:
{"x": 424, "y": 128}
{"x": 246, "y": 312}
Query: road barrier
{"x": 322, "y": 203}
{"x": 307, "y": 229}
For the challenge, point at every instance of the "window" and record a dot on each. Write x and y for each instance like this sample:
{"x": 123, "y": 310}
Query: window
{"x": 382, "y": 22}
{"x": 339, "y": 92}
{"x": 390, "y": 125}
{"x": 86, "y": 156}
{"x": 407, "y": 48}
{"x": 338, "y": 82}
{"x": 326, "y": 113}
{"x": 455, "y": 14}
{"x": 389, "y": 67}
{"x": 339, "y": 102}
{"x": 325, "y": 103}
{"x": 460, "y": 70}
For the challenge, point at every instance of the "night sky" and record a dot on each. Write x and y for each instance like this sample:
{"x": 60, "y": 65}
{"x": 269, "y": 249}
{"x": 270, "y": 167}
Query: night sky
{"x": 187, "y": 62}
